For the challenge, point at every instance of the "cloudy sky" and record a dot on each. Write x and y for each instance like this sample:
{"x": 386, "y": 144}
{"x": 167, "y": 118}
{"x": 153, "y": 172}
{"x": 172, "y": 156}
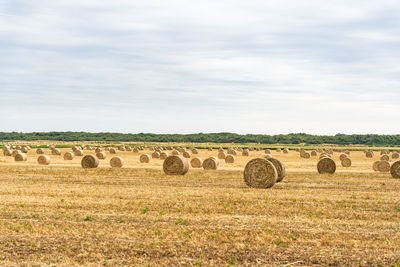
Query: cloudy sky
{"x": 176, "y": 66}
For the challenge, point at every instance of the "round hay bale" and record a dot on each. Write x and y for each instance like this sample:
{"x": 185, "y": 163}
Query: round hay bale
{"x": 43, "y": 160}
{"x": 98, "y": 150}
{"x": 122, "y": 148}
{"x": 18, "y": 147}
{"x": 210, "y": 149}
{"x": 220, "y": 149}
{"x": 385, "y": 157}
{"x": 195, "y": 151}
{"x": 285, "y": 151}
{"x": 155, "y": 155}
{"x": 69, "y": 156}
{"x": 135, "y": 150}
{"x": 196, "y": 163}
{"x": 383, "y": 166}
{"x": 40, "y": 151}
{"x": 78, "y": 153}
{"x": 267, "y": 151}
{"x": 375, "y": 165}
{"x": 280, "y": 169}
{"x": 395, "y": 155}
{"x": 175, "y": 152}
{"x": 245, "y": 152}
{"x": 314, "y": 153}
{"x": 56, "y": 152}
{"x": 231, "y": 151}
{"x": 210, "y": 163}
{"x": 260, "y": 173}
{"x": 7, "y": 153}
{"x": 187, "y": 154}
{"x": 268, "y": 156}
{"x": 306, "y": 155}
{"x": 20, "y": 157}
{"x": 89, "y": 162}
{"x": 221, "y": 155}
{"x": 175, "y": 165}
{"x": 6, "y": 148}
{"x": 144, "y": 158}
{"x": 342, "y": 156}
{"x": 347, "y": 152}
{"x": 112, "y": 150}
{"x": 346, "y": 162}
{"x": 395, "y": 169}
{"x": 230, "y": 159}
{"x": 74, "y": 148}
{"x": 101, "y": 155}
{"x": 369, "y": 154}
{"x": 164, "y": 155}
{"x": 117, "y": 162}
{"x": 25, "y": 149}
{"x": 128, "y": 148}
{"x": 15, "y": 152}
{"x": 326, "y": 165}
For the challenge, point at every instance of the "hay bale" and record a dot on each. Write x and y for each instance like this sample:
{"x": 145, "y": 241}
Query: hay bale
{"x": 69, "y": 156}
{"x": 230, "y": 159}
{"x": 231, "y": 151}
{"x": 280, "y": 169}
{"x": 101, "y": 155}
{"x": 195, "y": 151}
{"x": 395, "y": 155}
{"x": 15, "y": 152}
{"x": 342, "y": 157}
{"x": 267, "y": 151}
{"x": 245, "y": 152}
{"x": 164, "y": 155}
{"x": 175, "y": 152}
{"x": 285, "y": 151}
{"x": 74, "y": 148}
{"x": 78, "y": 153}
{"x": 122, "y": 148}
{"x": 395, "y": 169}
{"x": 210, "y": 149}
{"x": 385, "y": 157}
{"x": 56, "y": 152}
{"x": 369, "y": 154}
{"x": 383, "y": 166}
{"x": 117, "y": 162}
{"x": 175, "y": 165}
{"x": 278, "y": 150}
{"x": 40, "y": 151}
{"x": 347, "y": 152}
{"x": 260, "y": 173}
{"x": 90, "y": 162}
{"x": 346, "y": 162}
{"x": 221, "y": 155}
{"x": 135, "y": 150}
{"x": 305, "y": 155}
{"x": 314, "y": 153}
{"x": 155, "y": 155}
{"x": 375, "y": 165}
{"x": 128, "y": 148}
{"x": 6, "y": 148}
{"x": 20, "y": 157}
{"x": 112, "y": 150}
{"x": 144, "y": 158}
{"x": 25, "y": 149}
{"x": 187, "y": 154}
{"x": 210, "y": 163}
{"x": 268, "y": 156}
{"x": 7, "y": 153}
{"x": 98, "y": 150}
{"x": 326, "y": 165}
{"x": 43, "y": 160}
{"x": 196, "y": 163}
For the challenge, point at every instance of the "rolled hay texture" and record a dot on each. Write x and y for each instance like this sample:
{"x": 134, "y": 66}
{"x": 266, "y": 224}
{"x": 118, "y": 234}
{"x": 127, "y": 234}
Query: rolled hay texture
{"x": 230, "y": 159}
{"x": 175, "y": 165}
{"x": 260, "y": 173}
{"x": 101, "y": 155}
{"x": 395, "y": 155}
{"x": 187, "y": 154}
{"x": 324, "y": 155}
{"x": 347, "y": 152}
{"x": 25, "y": 149}
{"x": 369, "y": 154}
{"x": 278, "y": 150}
{"x": 383, "y": 166}
{"x": 196, "y": 163}
{"x": 175, "y": 152}
{"x": 15, "y": 152}
{"x": 221, "y": 155}
{"x": 117, "y": 162}
{"x": 306, "y": 155}
{"x": 155, "y": 155}
{"x": 385, "y": 157}
{"x": 89, "y": 162}
{"x": 78, "y": 153}
{"x": 342, "y": 156}
{"x": 6, "y": 148}
{"x": 210, "y": 163}
{"x": 395, "y": 170}
{"x": 135, "y": 150}
{"x": 98, "y": 150}
{"x": 346, "y": 162}
{"x": 195, "y": 151}
{"x": 18, "y": 147}
{"x": 113, "y": 150}
{"x": 314, "y": 153}
{"x": 267, "y": 151}
{"x": 326, "y": 165}
{"x": 220, "y": 149}
{"x": 20, "y": 157}
{"x": 122, "y": 148}
{"x": 43, "y": 160}
{"x": 74, "y": 148}
{"x": 164, "y": 155}
{"x": 144, "y": 158}
{"x": 231, "y": 151}
{"x": 210, "y": 149}
{"x": 286, "y": 151}
{"x": 56, "y": 152}
{"x": 40, "y": 151}
{"x": 375, "y": 165}
{"x": 280, "y": 169}
{"x": 268, "y": 156}
{"x": 245, "y": 152}
{"x": 69, "y": 156}
{"x": 128, "y": 148}
{"x": 7, "y": 153}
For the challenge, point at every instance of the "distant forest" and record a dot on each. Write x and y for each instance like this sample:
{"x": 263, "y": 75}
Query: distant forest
{"x": 338, "y": 139}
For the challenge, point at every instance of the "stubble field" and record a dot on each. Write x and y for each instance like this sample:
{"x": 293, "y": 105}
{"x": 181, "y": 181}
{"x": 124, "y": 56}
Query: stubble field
{"x": 64, "y": 215}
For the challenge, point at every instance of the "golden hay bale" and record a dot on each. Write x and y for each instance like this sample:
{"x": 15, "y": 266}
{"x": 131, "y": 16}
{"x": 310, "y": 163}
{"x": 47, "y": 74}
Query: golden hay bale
{"x": 112, "y": 150}
{"x": 267, "y": 151}
{"x": 135, "y": 150}
{"x": 314, "y": 153}
{"x": 347, "y": 152}
{"x": 128, "y": 148}
{"x": 231, "y": 151}
{"x": 52, "y": 147}
{"x": 20, "y": 157}
{"x": 385, "y": 157}
{"x": 74, "y": 148}
{"x": 285, "y": 151}
{"x": 326, "y": 165}
{"x": 306, "y": 155}
{"x": 221, "y": 155}
{"x": 210, "y": 163}
{"x": 15, "y": 152}
{"x": 107, "y": 148}
{"x": 122, "y": 148}
{"x": 78, "y": 153}
{"x": 280, "y": 169}
{"x": 18, "y": 147}
{"x": 7, "y": 153}
{"x": 101, "y": 155}
{"x": 195, "y": 151}
{"x": 181, "y": 149}
{"x": 395, "y": 155}
{"x": 395, "y": 169}
{"x": 187, "y": 154}
{"x": 260, "y": 173}
{"x": 24, "y": 149}
{"x": 375, "y": 165}
{"x": 43, "y": 160}
{"x": 98, "y": 150}
{"x": 230, "y": 159}
{"x": 245, "y": 152}
{"x": 6, "y": 148}
{"x": 297, "y": 149}
{"x": 155, "y": 155}
{"x": 342, "y": 156}
{"x": 56, "y": 152}
{"x": 69, "y": 156}
{"x": 90, "y": 162}
{"x": 175, "y": 152}
{"x": 383, "y": 166}
{"x": 220, "y": 149}
{"x": 346, "y": 162}
{"x": 175, "y": 165}
{"x": 117, "y": 162}
{"x": 369, "y": 154}
{"x": 196, "y": 163}
{"x": 251, "y": 149}
{"x": 268, "y": 156}
{"x": 40, "y": 151}
{"x": 278, "y": 150}
{"x": 210, "y": 149}
{"x": 144, "y": 158}
{"x": 164, "y": 155}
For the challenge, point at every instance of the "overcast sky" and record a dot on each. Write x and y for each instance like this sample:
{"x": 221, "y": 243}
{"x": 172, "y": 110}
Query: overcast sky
{"x": 169, "y": 66}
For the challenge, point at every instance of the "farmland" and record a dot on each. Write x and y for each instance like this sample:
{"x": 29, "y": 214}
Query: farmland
{"x": 64, "y": 215}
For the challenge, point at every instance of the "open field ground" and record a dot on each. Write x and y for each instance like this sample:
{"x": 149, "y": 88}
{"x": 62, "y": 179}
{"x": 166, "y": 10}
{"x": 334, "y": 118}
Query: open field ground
{"x": 64, "y": 215}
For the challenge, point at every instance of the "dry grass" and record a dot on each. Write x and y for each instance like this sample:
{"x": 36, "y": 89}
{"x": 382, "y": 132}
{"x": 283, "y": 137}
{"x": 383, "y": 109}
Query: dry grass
{"x": 64, "y": 215}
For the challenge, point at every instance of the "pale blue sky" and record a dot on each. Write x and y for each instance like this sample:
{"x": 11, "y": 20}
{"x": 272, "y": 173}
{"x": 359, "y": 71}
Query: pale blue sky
{"x": 170, "y": 66}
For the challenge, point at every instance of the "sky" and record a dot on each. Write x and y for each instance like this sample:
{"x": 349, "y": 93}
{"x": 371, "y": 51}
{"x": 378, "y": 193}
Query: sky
{"x": 169, "y": 66}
